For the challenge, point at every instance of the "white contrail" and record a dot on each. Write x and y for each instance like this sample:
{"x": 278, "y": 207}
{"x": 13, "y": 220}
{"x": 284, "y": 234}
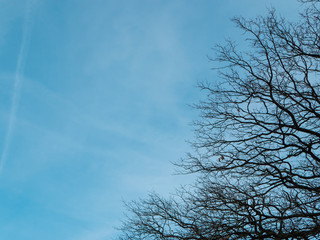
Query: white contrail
{"x": 18, "y": 79}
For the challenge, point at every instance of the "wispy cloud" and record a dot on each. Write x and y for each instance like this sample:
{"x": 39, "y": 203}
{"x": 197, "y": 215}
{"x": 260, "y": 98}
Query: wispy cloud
{"x": 18, "y": 80}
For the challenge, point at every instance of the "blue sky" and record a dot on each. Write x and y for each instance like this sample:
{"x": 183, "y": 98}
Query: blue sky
{"x": 94, "y": 105}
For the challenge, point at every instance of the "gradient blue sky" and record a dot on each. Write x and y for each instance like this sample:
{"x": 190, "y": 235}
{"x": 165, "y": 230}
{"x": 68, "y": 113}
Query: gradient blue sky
{"x": 94, "y": 101}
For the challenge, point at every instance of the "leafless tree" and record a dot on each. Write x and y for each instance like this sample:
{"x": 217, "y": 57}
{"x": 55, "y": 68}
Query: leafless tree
{"x": 257, "y": 149}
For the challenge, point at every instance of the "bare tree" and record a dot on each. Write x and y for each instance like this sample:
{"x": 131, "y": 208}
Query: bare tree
{"x": 257, "y": 149}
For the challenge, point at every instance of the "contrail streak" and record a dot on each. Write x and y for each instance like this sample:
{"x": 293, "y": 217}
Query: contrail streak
{"x": 18, "y": 80}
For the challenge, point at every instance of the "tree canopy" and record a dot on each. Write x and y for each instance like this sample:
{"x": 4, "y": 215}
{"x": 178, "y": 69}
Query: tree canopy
{"x": 257, "y": 147}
